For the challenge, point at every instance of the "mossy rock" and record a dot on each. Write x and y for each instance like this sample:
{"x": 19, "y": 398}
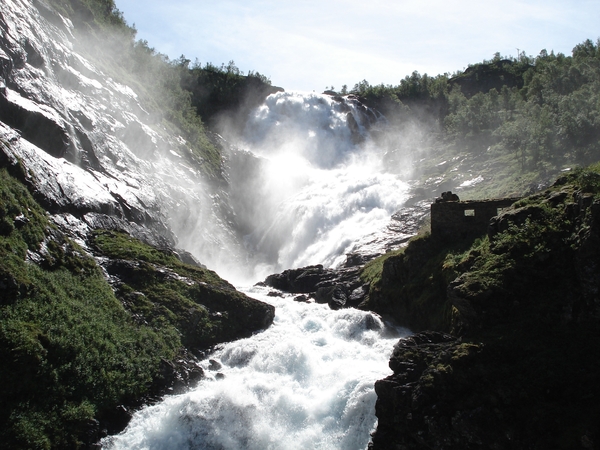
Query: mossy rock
{"x": 156, "y": 286}
{"x": 71, "y": 349}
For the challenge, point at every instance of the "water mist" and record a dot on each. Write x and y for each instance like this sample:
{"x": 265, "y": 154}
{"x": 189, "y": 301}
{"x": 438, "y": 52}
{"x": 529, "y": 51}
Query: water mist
{"x": 306, "y": 185}
{"x": 310, "y": 184}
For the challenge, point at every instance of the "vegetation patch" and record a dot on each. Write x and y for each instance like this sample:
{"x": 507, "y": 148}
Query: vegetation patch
{"x": 157, "y": 288}
{"x": 69, "y": 349}
{"x": 410, "y": 284}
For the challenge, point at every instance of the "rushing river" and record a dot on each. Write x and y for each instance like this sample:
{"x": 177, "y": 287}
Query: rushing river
{"x": 304, "y": 383}
{"x": 307, "y": 382}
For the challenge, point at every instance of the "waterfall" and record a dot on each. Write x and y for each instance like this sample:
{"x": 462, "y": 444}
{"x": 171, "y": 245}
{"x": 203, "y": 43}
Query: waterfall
{"x": 319, "y": 186}
{"x": 306, "y": 382}
{"x": 311, "y": 184}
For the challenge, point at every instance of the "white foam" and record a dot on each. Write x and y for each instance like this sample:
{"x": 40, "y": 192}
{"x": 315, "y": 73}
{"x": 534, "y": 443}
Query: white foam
{"x": 306, "y": 382}
{"x": 319, "y": 191}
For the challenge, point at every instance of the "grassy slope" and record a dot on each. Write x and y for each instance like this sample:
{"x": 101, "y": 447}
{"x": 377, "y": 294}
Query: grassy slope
{"x": 68, "y": 347}
{"x": 71, "y": 350}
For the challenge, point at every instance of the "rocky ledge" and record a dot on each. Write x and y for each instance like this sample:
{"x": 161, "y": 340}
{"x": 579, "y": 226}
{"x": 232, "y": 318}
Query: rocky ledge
{"x": 337, "y": 287}
{"x": 513, "y": 362}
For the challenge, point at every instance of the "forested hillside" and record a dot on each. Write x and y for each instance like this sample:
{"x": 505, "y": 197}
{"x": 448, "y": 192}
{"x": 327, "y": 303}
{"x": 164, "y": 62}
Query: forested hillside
{"x": 534, "y": 115}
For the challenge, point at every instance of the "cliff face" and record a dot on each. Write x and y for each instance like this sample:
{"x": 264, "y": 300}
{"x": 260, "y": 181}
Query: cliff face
{"x": 99, "y": 310}
{"x": 92, "y": 140}
{"x": 522, "y": 305}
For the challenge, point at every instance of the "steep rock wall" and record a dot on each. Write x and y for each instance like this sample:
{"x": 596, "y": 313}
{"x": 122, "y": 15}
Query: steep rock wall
{"x": 64, "y": 114}
{"x": 522, "y": 305}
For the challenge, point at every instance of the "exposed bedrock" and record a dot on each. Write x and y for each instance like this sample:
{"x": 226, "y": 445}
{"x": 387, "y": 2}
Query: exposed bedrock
{"x": 337, "y": 287}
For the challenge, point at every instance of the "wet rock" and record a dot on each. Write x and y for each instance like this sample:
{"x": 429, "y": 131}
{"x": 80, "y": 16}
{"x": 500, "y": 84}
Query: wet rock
{"x": 39, "y": 127}
{"x": 358, "y": 295}
{"x": 355, "y": 259}
{"x": 117, "y": 419}
{"x": 303, "y": 280}
{"x": 83, "y": 142}
{"x": 338, "y": 288}
{"x": 20, "y": 221}
{"x": 335, "y": 296}
{"x": 214, "y": 365}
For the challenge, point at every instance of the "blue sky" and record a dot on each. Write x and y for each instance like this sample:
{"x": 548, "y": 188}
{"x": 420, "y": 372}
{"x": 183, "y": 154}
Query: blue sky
{"x": 313, "y": 44}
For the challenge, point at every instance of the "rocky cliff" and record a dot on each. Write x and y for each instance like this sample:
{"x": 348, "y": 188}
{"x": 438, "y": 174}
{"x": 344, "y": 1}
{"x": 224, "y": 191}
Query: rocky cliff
{"x": 100, "y": 310}
{"x": 505, "y": 353}
{"x": 521, "y": 307}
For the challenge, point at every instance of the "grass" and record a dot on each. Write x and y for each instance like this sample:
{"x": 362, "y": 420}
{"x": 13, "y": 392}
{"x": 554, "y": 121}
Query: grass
{"x": 74, "y": 347}
{"x": 158, "y": 288}
{"x": 70, "y": 351}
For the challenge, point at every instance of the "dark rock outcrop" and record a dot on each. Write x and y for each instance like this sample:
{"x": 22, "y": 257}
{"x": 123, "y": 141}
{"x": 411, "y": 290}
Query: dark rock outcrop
{"x": 337, "y": 287}
{"x": 525, "y": 318}
{"x": 427, "y": 403}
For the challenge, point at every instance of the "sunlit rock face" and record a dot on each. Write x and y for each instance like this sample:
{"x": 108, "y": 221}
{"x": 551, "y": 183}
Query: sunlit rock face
{"x": 305, "y": 185}
{"x": 87, "y": 146}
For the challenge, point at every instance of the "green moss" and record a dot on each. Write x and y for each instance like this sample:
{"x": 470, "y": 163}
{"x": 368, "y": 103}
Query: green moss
{"x": 117, "y": 245}
{"x": 158, "y": 288}
{"x": 69, "y": 350}
{"x": 371, "y": 272}
{"x": 411, "y": 284}
{"x": 532, "y": 258}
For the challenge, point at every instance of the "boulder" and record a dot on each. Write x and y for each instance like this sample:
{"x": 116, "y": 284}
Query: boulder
{"x": 338, "y": 288}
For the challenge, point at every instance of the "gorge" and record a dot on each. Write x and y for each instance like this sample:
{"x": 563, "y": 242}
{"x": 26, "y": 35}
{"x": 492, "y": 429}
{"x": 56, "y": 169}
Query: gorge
{"x": 121, "y": 187}
{"x": 121, "y": 209}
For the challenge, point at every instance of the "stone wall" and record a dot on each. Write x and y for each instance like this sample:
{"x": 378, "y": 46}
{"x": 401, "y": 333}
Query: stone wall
{"x": 466, "y": 218}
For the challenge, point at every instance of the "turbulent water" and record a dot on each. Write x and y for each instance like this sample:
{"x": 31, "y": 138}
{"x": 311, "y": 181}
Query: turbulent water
{"x": 320, "y": 188}
{"x": 305, "y": 383}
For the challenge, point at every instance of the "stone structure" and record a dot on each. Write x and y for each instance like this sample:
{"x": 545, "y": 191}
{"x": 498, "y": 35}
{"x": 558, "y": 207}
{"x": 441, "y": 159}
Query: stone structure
{"x": 457, "y": 219}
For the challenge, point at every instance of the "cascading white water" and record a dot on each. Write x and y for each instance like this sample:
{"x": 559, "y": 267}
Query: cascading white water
{"x": 307, "y": 381}
{"x": 304, "y": 383}
{"x": 322, "y": 184}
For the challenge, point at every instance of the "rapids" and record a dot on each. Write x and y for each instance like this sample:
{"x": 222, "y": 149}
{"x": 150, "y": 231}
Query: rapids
{"x": 307, "y": 381}
{"x": 304, "y": 383}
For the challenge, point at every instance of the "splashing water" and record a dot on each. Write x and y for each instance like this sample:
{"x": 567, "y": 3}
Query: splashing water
{"x": 306, "y": 382}
{"x": 321, "y": 187}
